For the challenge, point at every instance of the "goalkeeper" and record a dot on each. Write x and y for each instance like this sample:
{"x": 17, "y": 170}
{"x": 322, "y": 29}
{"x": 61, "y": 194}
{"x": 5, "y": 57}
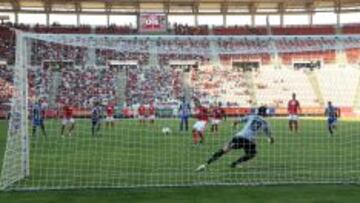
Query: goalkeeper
{"x": 245, "y": 139}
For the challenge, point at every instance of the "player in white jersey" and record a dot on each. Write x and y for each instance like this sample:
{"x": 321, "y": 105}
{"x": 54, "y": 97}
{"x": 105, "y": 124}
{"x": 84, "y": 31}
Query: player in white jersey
{"x": 245, "y": 139}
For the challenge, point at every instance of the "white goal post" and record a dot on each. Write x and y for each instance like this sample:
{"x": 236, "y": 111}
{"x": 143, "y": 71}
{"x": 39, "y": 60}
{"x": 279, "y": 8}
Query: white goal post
{"x": 16, "y": 158}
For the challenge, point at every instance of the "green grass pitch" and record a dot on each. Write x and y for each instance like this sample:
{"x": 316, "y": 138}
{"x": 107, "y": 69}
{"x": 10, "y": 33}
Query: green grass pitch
{"x": 138, "y": 155}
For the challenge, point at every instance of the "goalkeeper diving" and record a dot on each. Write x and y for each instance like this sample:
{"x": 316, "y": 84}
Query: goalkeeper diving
{"x": 255, "y": 125}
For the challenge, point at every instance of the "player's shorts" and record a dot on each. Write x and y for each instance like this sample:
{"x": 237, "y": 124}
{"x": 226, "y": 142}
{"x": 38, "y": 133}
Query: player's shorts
{"x": 38, "y": 122}
{"x": 95, "y": 121}
{"x": 238, "y": 142}
{"x": 184, "y": 117}
{"x": 141, "y": 117}
{"x": 215, "y": 121}
{"x": 151, "y": 117}
{"x": 332, "y": 121}
{"x": 200, "y": 126}
{"x": 109, "y": 118}
{"x": 68, "y": 121}
{"x": 293, "y": 117}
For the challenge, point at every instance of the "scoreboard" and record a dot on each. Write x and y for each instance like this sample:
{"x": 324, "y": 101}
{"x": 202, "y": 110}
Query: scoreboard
{"x": 152, "y": 22}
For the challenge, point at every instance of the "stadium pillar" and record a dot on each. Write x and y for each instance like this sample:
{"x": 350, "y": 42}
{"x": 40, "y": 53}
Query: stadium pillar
{"x": 310, "y": 16}
{"x": 16, "y": 17}
{"x": 167, "y": 11}
{"x": 338, "y": 13}
{"x": 108, "y": 19}
{"x": 47, "y": 19}
{"x": 47, "y": 7}
{"x": 252, "y": 20}
{"x": 138, "y": 21}
{"x": 107, "y": 10}
{"x": 281, "y": 12}
{"x": 252, "y": 9}
{"x": 310, "y": 11}
{"x": 78, "y": 10}
{"x": 167, "y": 21}
{"x": 78, "y": 19}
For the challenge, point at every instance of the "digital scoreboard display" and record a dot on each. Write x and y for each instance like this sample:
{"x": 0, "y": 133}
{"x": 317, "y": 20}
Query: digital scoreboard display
{"x": 152, "y": 22}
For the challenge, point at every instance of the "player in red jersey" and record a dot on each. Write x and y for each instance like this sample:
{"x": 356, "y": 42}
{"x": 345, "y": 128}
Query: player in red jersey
{"x": 67, "y": 120}
{"x": 217, "y": 116}
{"x": 293, "y": 110}
{"x": 142, "y": 113}
{"x": 200, "y": 125}
{"x": 126, "y": 112}
{"x": 151, "y": 113}
{"x": 110, "y": 110}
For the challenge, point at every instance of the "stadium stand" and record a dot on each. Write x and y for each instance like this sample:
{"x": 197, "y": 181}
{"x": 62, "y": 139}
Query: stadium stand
{"x": 333, "y": 82}
{"x": 350, "y": 29}
{"x": 273, "y": 87}
{"x": 270, "y": 84}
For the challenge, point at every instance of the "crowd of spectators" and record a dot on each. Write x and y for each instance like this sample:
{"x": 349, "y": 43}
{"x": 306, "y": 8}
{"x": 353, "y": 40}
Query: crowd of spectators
{"x": 239, "y": 30}
{"x": 154, "y": 84}
{"x": 304, "y": 30}
{"x": 104, "y": 56}
{"x": 150, "y": 83}
{"x": 180, "y": 29}
{"x": 190, "y": 48}
{"x": 82, "y": 86}
{"x": 49, "y": 51}
{"x": 209, "y": 85}
{"x": 6, "y": 84}
{"x": 115, "y": 29}
{"x": 7, "y": 45}
{"x": 77, "y": 86}
{"x": 59, "y": 29}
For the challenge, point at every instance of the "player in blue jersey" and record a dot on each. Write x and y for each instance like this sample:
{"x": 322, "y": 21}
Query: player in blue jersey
{"x": 184, "y": 113}
{"x": 331, "y": 113}
{"x": 37, "y": 117}
{"x": 245, "y": 139}
{"x": 95, "y": 118}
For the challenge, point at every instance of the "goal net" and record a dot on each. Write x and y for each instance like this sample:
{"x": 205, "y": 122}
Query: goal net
{"x": 58, "y": 79}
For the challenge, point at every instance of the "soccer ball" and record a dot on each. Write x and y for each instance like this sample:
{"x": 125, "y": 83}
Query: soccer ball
{"x": 166, "y": 131}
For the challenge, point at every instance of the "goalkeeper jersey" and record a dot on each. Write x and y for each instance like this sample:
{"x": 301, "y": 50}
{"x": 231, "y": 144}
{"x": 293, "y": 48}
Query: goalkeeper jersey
{"x": 254, "y": 126}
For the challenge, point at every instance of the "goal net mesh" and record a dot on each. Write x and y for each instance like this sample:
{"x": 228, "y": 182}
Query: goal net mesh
{"x": 242, "y": 72}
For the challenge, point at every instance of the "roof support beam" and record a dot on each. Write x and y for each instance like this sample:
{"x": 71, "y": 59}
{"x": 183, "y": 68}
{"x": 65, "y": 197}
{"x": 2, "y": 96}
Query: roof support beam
{"x": 15, "y": 4}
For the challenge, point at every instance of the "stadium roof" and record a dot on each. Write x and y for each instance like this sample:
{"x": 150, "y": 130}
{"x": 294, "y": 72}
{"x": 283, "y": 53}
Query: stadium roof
{"x": 179, "y": 7}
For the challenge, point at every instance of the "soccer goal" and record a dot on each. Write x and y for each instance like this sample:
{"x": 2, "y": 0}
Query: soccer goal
{"x": 102, "y": 111}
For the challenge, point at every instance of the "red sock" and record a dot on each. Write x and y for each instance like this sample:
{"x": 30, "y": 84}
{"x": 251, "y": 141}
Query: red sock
{"x": 195, "y": 137}
{"x": 202, "y": 137}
